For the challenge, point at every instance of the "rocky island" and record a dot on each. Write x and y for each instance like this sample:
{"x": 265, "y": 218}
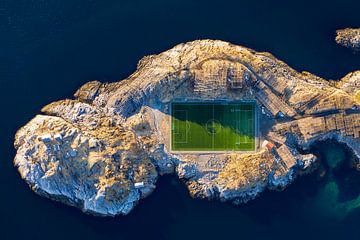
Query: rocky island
{"x": 104, "y": 150}
{"x": 349, "y": 37}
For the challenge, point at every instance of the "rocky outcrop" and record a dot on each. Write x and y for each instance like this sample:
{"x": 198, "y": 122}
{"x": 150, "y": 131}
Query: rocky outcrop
{"x": 349, "y": 37}
{"x": 104, "y": 150}
{"x": 351, "y": 84}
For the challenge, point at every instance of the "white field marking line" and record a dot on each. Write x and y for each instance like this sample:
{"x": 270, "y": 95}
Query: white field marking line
{"x": 246, "y": 139}
{"x": 187, "y": 127}
{"x": 213, "y": 135}
{"x": 251, "y": 122}
{"x": 242, "y": 119}
{"x": 255, "y": 128}
{"x": 238, "y": 123}
{"x": 237, "y": 118}
{"x": 178, "y": 127}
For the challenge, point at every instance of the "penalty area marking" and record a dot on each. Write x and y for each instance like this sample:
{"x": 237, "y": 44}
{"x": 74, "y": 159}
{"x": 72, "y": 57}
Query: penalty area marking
{"x": 178, "y": 129}
{"x": 241, "y": 120}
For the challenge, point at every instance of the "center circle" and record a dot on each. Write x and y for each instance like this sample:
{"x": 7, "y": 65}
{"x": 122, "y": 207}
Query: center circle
{"x": 213, "y": 126}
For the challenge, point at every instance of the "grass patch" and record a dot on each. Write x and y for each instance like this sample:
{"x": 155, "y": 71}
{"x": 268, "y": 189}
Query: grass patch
{"x": 213, "y": 126}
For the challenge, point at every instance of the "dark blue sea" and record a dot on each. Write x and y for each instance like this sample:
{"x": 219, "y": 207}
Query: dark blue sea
{"x": 49, "y": 48}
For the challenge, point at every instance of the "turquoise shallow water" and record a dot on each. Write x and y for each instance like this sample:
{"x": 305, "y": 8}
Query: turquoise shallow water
{"x": 50, "y": 48}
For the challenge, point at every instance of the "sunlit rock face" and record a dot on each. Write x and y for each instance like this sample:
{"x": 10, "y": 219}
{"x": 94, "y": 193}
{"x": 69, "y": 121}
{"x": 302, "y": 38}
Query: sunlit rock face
{"x": 104, "y": 150}
{"x": 349, "y": 37}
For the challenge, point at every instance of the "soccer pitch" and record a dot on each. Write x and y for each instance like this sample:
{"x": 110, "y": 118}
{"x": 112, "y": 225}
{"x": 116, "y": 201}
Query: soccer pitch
{"x": 213, "y": 126}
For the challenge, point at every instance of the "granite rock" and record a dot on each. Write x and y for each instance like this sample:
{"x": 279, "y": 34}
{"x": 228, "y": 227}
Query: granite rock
{"x": 349, "y": 37}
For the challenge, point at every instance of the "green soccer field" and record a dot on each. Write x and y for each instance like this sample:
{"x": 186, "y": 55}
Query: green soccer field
{"x": 213, "y": 126}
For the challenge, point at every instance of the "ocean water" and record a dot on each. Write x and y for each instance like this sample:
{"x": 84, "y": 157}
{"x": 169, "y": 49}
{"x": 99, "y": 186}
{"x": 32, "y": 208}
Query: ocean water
{"x": 49, "y": 48}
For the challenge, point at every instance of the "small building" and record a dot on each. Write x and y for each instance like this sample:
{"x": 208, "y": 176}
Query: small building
{"x": 269, "y": 145}
{"x": 286, "y": 156}
{"x": 139, "y": 184}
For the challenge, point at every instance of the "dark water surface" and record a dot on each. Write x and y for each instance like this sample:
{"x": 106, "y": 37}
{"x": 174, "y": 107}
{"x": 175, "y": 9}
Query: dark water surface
{"x": 48, "y": 48}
